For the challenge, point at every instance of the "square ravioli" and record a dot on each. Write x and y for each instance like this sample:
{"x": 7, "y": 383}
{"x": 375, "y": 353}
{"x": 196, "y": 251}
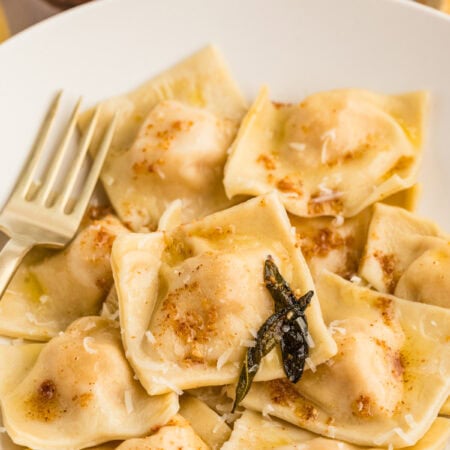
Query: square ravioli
{"x": 171, "y": 141}
{"x": 191, "y": 300}
{"x": 50, "y": 291}
{"x": 255, "y": 432}
{"x": 76, "y": 391}
{"x": 388, "y": 380}
{"x": 407, "y": 256}
{"x": 337, "y": 244}
{"x": 335, "y": 153}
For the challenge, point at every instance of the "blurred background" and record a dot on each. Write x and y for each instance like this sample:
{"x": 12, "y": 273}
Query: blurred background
{"x": 16, "y": 15}
{"x": 21, "y": 14}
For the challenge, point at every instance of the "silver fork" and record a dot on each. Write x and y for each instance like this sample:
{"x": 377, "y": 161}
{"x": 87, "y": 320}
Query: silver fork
{"x": 33, "y": 216}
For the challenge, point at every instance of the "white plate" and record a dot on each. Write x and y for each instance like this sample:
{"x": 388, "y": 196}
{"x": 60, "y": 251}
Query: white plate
{"x": 296, "y": 46}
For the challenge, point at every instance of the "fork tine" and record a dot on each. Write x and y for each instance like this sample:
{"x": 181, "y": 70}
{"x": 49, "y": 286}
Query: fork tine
{"x": 26, "y": 179}
{"x": 94, "y": 173}
{"x": 45, "y": 190}
{"x": 74, "y": 172}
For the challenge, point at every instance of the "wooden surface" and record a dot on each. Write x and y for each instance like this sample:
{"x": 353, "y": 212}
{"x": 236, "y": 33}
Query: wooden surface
{"x": 23, "y": 13}
{"x": 4, "y": 29}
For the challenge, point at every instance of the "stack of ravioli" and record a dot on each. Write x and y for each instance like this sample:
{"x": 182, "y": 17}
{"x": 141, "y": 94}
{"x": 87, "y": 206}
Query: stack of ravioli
{"x": 134, "y": 336}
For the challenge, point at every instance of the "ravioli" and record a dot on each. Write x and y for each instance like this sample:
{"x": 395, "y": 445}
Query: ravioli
{"x": 330, "y": 245}
{"x": 335, "y": 153}
{"x": 78, "y": 392}
{"x": 48, "y": 293}
{"x": 171, "y": 141}
{"x": 407, "y": 256}
{"x": 337, "y": 244}
{"x": 388, "y": 380}
{"x": 192, "y": 300}
{"x": 209, "y": 426}
{"x": 254, "y": 432}
{"x": 176, "y": 435}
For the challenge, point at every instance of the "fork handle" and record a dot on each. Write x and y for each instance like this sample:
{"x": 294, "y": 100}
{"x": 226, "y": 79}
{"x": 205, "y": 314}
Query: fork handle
{"x": 11, "y": 255}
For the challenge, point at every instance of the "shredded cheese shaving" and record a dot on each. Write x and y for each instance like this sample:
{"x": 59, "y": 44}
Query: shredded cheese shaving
{"x": 409, "y": 419}
{"x": 248, "y": 342}
{"x": 32, "y": 319}
{"x": 87, "y": 342}
{"x": 326, "y": 137}
{"x": 309, "y": 362}
{"x": 338, "y": 221}
{"x": 44, "y": 299}
{"x": 172, "y": 386}
{"x": 310, "y": 341}
{"x": 327, "y": 197}
{"x": 106, "y": 312}
{"x": 267, "y": 410}
{"x": 355, "y": 279}
{"x": 298, "y": 146}
{"x": 150, "y": 337}
{"x": 223, "y": 358}
{"x": 334, "y": 327}
{"x": 128, "y": 401}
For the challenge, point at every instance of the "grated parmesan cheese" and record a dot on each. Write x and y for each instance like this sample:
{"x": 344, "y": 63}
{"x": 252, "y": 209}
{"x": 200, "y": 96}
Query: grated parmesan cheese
{"x": 267, "y": 410}
{"x": 327, "y": 197}
{"x": 44, "y": 299}
{"x": 355, "y": 279}
{"x": 167, "y": 383}
{"x": 248, "y": 343}
{"x": 324, "y": 190}
{"x": 310, "y": 341}
{"x": 298, "y": 146}
{"x": 220, "y": 422}
{"x": 223, "y": 358}
{"x": 253, "y": 332}
{"x": 334, "y": 327}
{"x": 409, "y": 419}
{"x": 87, "y": 341}
{"x": 383, "y": 438}
{"x": 403, "y": 436}
{"x": 128, "y": 401}
{"x": 309, "y": 362}
{"x": 106, "y": 312}
{"x": 89, "y": 326}
{"x": 338, "y": 221}
{"x": 32, "y": 319}
{"x": 326, "y": 137}
{"x": 150, "y": 337}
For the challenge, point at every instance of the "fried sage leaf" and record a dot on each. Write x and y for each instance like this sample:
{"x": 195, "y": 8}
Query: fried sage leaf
{"x": 267, "y": 337}
{"x": 287, "y": 326}
{"x": 280, "y": 290}
{"x": 294, "y": 347}
{"x": 294, "y": 344}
